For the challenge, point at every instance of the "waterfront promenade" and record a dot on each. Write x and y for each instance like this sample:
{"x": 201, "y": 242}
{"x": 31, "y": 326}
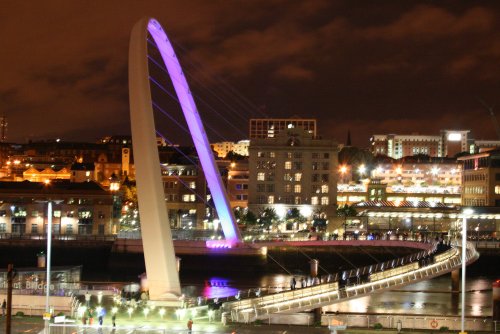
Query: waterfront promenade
{"x": 35, "y": 325}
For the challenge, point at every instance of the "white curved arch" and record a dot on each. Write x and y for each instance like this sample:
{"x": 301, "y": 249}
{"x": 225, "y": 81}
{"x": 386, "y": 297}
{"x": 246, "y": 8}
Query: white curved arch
{"x": 156, "y": 235}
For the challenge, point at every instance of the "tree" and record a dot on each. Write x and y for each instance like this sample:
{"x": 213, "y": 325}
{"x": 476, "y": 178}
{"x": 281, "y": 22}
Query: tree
{"x": 231, "y": 155}
{"x": 294, "y": 216}
{"x": 268, "y": 217}
{"x": 245, "y": 216}
{"x": 129, "y": 220}
{"x": 346, "y": 211}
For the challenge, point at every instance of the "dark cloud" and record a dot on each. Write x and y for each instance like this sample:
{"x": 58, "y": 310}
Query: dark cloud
{"x": 385, "y": 66}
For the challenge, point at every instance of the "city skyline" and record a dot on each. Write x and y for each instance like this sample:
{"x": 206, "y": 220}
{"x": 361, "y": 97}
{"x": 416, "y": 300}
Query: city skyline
{"x": 374, "y": 68}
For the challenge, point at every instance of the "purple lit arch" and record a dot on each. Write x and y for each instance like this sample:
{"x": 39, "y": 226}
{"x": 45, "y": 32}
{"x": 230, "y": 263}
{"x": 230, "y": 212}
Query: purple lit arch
{"x": 159, "y": 253}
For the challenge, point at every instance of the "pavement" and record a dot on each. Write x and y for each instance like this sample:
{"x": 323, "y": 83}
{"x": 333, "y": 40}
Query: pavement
{"x": 34, "y": 325}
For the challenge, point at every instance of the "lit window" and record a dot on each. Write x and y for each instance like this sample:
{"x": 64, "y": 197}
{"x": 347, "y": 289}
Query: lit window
{"x": 298, "y": 200}
{"x": 314, "y": 200}
{"x": 324, "y": 200}
{"x": 192, "y": 185}
{"x": 497, "y": 189}
{"x": 188, "y": 198}
{"x": 270, "y": 199}
{"x": 261, "y": 176}
{"x": 298, "y": 177}
{"x": 87, "y": 173}
{"x": 272, "y": 155}
{"x": 297, "y": 188}
{"x": 288, "y": 165}
{"x": 324, "y": 189}
{"x": 288, "y": 188}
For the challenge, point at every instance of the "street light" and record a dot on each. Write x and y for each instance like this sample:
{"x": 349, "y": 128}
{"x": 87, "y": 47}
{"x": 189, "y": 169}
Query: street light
{"x": 49, "y": 252}
{"x": 465, "y": 213}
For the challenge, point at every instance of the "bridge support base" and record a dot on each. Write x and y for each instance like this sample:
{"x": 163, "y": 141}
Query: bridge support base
{"x": 318, "y": 312}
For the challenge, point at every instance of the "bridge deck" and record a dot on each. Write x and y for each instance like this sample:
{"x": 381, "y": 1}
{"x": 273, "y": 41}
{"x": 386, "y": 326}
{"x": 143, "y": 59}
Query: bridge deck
{"x": 251, "y": 309}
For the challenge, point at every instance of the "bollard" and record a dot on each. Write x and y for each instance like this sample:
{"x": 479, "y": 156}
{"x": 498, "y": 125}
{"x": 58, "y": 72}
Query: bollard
{"x": 314, "y": 267}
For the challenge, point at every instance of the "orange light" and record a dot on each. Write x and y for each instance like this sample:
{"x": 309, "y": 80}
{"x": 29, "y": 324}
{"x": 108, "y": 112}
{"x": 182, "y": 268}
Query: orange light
{"x": 46, "y": 181}
{"x": 343, "y": 169}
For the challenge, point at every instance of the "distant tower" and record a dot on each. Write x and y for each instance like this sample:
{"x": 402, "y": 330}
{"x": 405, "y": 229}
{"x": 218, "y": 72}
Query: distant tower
{"x": 3, "y": 129}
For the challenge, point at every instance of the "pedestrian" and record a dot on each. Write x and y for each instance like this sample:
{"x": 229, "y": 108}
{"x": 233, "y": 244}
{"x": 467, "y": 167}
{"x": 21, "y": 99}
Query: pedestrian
{"x": 87, "y": 298}
{"x": 113, "y": 319}
{"x": 100, "y": 319}
{"x": 190, "y": 325}
{"x": 303, "y": 282}
{"x": 4, "y": 307}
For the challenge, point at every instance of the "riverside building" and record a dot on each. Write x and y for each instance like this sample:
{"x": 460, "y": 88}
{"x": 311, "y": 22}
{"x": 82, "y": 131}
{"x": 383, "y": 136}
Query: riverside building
{"x": 293, "y": 169}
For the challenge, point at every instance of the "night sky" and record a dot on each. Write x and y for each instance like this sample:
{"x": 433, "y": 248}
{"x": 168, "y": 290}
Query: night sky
{"x": 368, "y": 66}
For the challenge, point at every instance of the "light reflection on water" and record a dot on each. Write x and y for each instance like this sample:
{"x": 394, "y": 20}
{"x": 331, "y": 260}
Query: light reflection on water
{"x": 426, "y": 297}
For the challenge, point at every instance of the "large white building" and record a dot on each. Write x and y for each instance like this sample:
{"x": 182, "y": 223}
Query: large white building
{"x": 447, "y": 144}
{"x": 223, "y": 148}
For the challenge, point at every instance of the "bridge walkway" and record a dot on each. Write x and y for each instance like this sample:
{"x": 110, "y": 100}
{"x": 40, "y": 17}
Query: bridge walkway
{"x": 327, "y": 293}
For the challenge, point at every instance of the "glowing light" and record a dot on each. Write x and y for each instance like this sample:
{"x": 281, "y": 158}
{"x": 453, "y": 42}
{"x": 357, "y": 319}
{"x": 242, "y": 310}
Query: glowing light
{"x": 343, "y": 169}
{"x": 46, "y": 181}
{"x": 114, "y": 310}
{"x": 81, "y": 310}
{"x": 280, "y": 210}
{"x": 362, "y": 169}
{"x": 434, "y": 171}
{"x": 162, "y": 312}
{"x": 454, "y": 136}
{"x": 220, "y": 244}
{"x": 197, "y": 131}
{"x": 146, "y": 312}
{"x": 468, "y": 212}
{"x": 306, "y": 211}
{"x": 129, "y": 311}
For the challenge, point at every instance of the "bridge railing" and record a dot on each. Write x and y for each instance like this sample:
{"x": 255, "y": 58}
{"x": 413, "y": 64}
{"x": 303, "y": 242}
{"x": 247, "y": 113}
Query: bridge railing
{"x": 323, "y": 294}
{"x": 63, "y": 237}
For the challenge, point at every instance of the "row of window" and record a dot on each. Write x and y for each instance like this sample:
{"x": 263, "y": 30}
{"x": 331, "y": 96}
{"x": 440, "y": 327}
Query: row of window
{"x": 173, "y": 184}
{"x": 474, "y": 202}
{"x": 21, "y": 212}
{"x": 271, "y": 199}
{"x": 475, "y": 177}
{"x": 261, "y": 176}
{"x": 297, "y": 177}
{"x": 82, "y": 229}
{"x": 297, "y": 188}
{"x": 294, "y": 155}
{"x": 476, "y": 190}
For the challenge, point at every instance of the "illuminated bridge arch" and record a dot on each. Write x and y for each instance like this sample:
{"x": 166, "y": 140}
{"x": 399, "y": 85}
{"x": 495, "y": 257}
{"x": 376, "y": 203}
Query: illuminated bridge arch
{"x": 163, "y": 279}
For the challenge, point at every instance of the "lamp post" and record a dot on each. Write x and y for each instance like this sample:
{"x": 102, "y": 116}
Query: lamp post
{"x": 465, "y": 213}
{"x": 49, "y": 252}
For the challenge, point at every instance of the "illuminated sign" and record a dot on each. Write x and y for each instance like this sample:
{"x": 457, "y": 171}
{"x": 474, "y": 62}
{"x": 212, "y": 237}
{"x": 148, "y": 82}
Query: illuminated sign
{"x": 454, "y": 136}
